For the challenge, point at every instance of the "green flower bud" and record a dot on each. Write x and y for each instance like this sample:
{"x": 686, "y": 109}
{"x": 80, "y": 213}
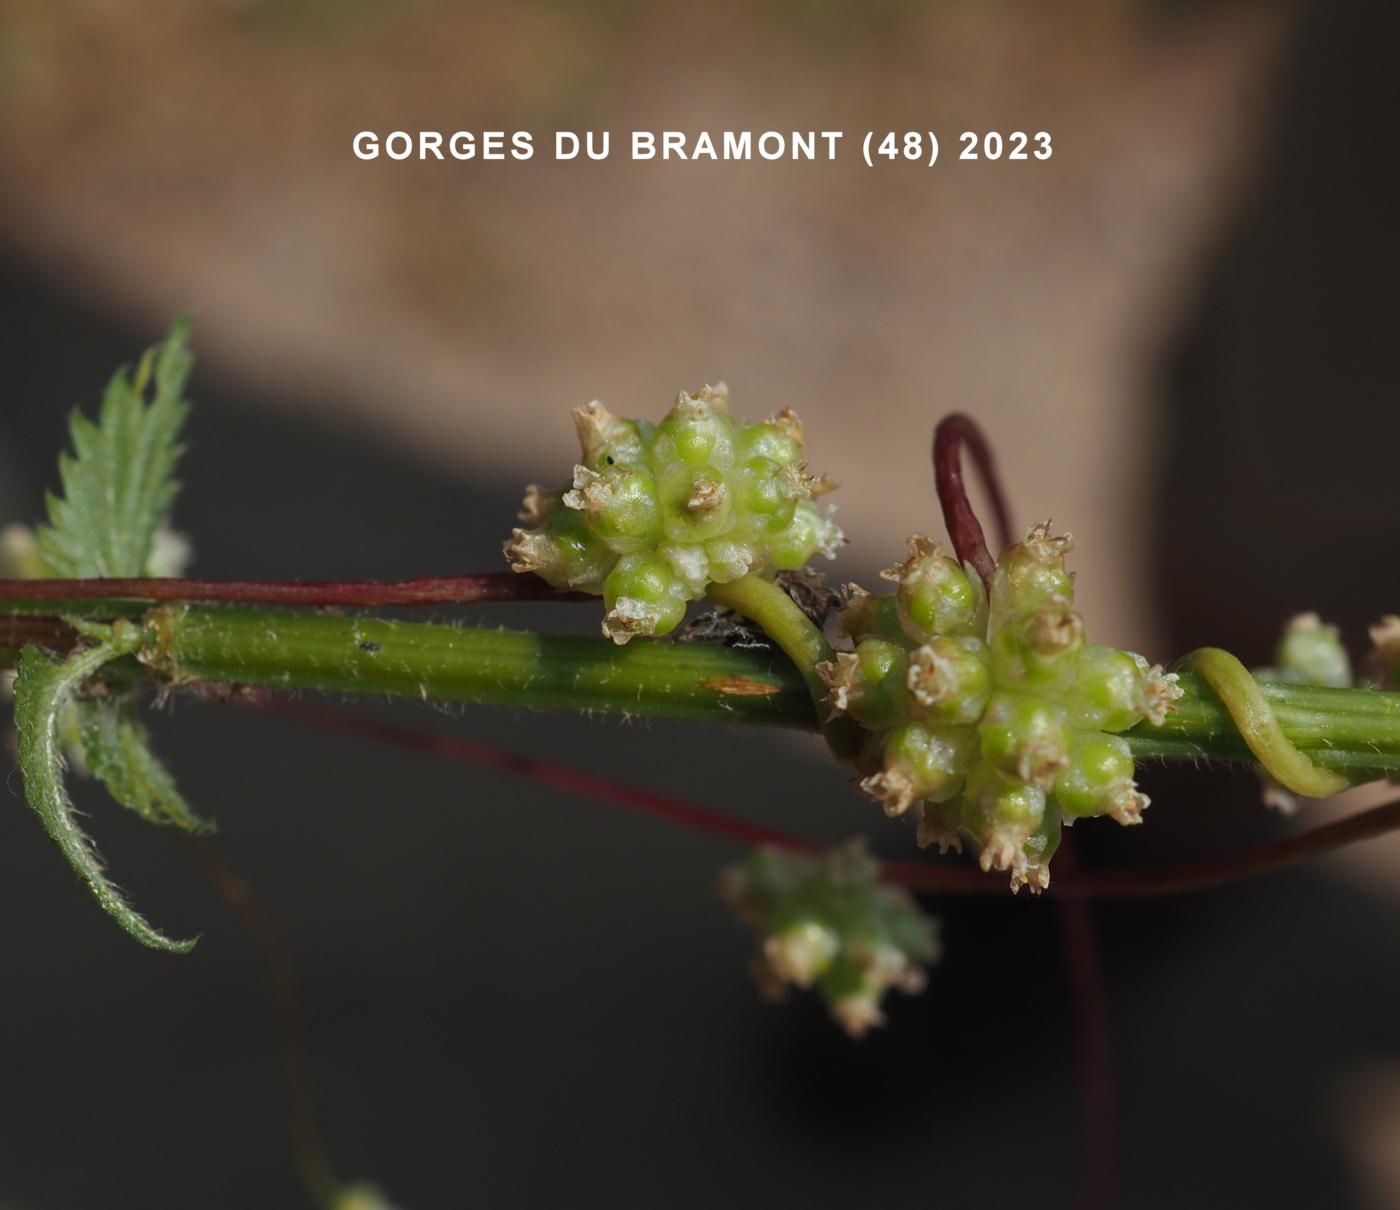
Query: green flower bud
{"x": 1114, "y": 690}
{"x": 564, "y": 553}
{"x": 695, "y": 503}
{"x": 769, "y": 492}
{"x": 921, "y": 762}
{"x": 828, "y": 920}
{"x": 811, "y": 533}
{"x": 802, "y": 951}
{"x": 1002, "y": 814}
{"x": 949, "y": 681}
{"x": 1025, "y": 737}
{"x": 868, "y": 683}
{"x": 1311, "y": 653}
{"x": 1039, "y": 650}
{"x": 643, "y": 596}
{"x": 1031, "y": 573}
{"x": 697, "y": 431}
{"x": 935, "y": 595}
{"x": 729, "y": 559}
{"x": 868, "y": 615}
{"x": 856, "y": 984}
{"x": 779, "y": 439}
{"x": 1031, "y": 868}
{"x": 619, "y": 505}
{"x": 1099, "y": 780}
{"x": 605, "y": 439}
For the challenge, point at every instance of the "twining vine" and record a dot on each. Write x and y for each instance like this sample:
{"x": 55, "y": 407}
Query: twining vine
{"x": 966, "y": 696}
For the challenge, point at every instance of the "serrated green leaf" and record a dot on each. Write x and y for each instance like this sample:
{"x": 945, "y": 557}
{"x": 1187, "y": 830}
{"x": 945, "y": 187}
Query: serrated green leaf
{"x": 116, "y": 749}
{"x": 43, "y": 690}
{"x": 118, "y": 481}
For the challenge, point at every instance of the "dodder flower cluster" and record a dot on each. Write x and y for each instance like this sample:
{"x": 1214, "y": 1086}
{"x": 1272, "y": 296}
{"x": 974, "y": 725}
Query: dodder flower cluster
{"x": 657, "y": 513}
{"x": 828, "y": 921}
{"x": 988, "y": 712}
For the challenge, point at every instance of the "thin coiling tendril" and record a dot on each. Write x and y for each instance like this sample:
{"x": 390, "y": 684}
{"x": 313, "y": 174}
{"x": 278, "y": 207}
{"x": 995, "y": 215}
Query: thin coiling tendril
{"x": 1233, "y": 684}
{"x": 1253, "y": 717}
{"x": 1077, "y": 925}
{"x": 955, "y": 431}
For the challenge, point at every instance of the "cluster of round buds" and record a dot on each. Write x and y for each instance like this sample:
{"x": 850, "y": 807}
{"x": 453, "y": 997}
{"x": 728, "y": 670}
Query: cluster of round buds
{"x": 989, "y": 715}
{"x": 827, "y": 921}
{"x": 657, "y": 513}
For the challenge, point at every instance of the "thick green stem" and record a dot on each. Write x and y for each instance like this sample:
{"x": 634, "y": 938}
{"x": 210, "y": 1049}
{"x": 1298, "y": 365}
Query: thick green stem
{"x": 438, "y": 662}
{"x": 802, "y": 641}
{"x": 1353, "y": 731}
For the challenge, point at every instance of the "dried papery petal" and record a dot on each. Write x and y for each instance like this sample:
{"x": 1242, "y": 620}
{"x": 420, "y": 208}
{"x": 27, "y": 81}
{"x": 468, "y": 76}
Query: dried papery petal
{"x": 1385, "y": 638}
{"x": 786, "y": 422}
{"x": 538, "y": 504}
{"x": 1160, "y": 691}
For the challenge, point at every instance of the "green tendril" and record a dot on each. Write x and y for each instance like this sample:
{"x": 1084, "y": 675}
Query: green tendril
{"x": 1255, "y": 721}
{"x": 763, "y": 602}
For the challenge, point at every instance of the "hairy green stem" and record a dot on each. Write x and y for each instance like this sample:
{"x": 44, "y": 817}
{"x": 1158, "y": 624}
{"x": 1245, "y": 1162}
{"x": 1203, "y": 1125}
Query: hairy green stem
{"x": 437, "y": 662}
{"x": 1352, "y": 731}
{"x": 802, "y": 641}
{"x": 763, "y": 602}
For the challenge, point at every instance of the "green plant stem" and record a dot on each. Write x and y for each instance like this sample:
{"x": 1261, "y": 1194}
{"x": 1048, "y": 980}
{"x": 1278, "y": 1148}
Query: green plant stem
{"x": 802, "y": 641}
{"x": 437, "y": 662}
{"x": 763, "y": 602}
{"x": 1353, "y": 731}
{"x": 1258, "y": 724}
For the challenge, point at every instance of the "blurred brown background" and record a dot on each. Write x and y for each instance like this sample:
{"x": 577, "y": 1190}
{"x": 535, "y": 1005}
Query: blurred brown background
{"x": 201, "y": 154}
{"x": 1179, "y": 334}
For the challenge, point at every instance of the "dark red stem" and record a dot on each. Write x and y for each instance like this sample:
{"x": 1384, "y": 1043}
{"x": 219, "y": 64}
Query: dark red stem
{"x": 1175, "y": 879}
{"x": 1089, "y": 1011}
{"x": 18, "y": 631}
{"x": 306, "y": 1135}
{"x": 606, "y": 789}
{"x": 423, "y": 590}
{"x": 954, "y": 432}
{"x": 934, "y": 877}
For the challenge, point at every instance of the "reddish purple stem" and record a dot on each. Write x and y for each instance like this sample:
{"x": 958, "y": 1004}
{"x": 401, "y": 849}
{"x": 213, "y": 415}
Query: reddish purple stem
{"x": 19, "y": 630}
{"x": 606, "y": 789}
{"x": 423, "y": 590}
{"x": 954, "y": 432}
{"x": 1089, "y": 1011}
{"x": 932, "y": 877}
